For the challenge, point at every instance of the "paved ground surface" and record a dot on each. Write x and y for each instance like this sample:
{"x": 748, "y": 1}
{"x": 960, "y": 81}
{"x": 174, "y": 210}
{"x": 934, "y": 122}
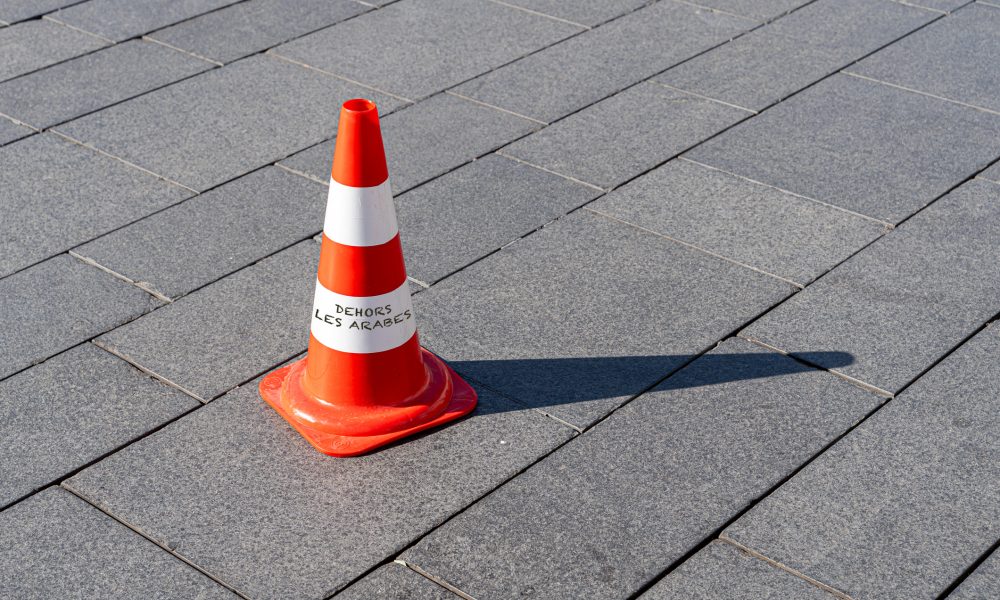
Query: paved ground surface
{"x": 725, "y": 277}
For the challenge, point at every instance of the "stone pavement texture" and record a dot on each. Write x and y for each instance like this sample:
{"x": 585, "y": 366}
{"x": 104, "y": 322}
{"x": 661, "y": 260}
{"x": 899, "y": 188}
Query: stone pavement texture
{"x": 724, "y": 274}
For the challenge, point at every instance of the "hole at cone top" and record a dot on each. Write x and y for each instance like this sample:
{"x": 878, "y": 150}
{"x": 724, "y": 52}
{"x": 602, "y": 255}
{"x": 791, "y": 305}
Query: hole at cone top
{"x": 359, "y": 105}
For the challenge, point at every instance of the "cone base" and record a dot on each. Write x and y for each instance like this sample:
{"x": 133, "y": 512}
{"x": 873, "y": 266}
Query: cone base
{"x": 462, "y": 401}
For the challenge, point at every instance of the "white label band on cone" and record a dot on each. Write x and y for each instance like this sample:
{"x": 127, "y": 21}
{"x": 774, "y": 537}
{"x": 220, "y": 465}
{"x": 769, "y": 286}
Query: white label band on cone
{"x": 363, "y": 325}
{"x": 360, "y": 216}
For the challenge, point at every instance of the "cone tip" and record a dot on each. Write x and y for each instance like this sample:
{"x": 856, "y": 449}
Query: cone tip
{"x": 359, "y": 158}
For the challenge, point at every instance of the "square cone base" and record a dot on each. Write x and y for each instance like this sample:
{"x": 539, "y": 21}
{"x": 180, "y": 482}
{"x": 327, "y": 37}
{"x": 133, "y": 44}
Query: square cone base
{"x": 462, "y": 401}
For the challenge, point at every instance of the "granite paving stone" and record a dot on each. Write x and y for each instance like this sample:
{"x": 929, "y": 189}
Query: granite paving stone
{"x": 903, "y": 302}
{"x": 721, "y": 571}
{"x": 57, "y": 304}
{"x": 992, "y": 173}
{"x": 418, "y": 47}
{"x": 591, "y": 66}
{"x": 230, "y": 331}
{"x": 395, "y": 582}
{"x": 474, "y": 210}
{"x": 36, "y": 44}
{"x": 584, "y": 12}
{"x": 779, "y": 59}
{"x": 88, "y": 83}
{"x": 757, "y": 9}
{"x": 457, "y": 130}
{"x": 608, "y": 512}
{"x": 867, "y": 147}
{"x": 983, "y": 583}
{"x": 223, "y": 123}
{"x": 625, "y": 135}
{"x": 12, "y": 11}
{"x": 11, "y": 131}
{"x": 954, "y": 58}
{"x": 586, "y": 313}
{"x": 119, "y": 20}
{"x": 756, "y": 225}
{"x": 54, "y": 545}
{"x": 212, "y": 235}
{"x": 233, "y": 482}
{"x": 248, "y": 27}
{"x": 903, "y": 504}
{"x": 72, "y": 409}
{"x": 57, "y": 194}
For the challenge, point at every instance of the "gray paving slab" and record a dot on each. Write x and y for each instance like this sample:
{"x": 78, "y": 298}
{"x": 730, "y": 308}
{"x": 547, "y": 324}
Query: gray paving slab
{"x": 954, "y": 58}
{"x": 758, "y": 9}
{"x": 756, "y": 225}
{"x": 992, "y": 173}
{"x": 230, "y": 331}
{"x": 474, "y": 210}
{"x": 625, "y": 135}
{"x": 721, "y": 571}
{"x": 584, "y": 12}
{"x": 37, "y": 44}
{"x": 586, "y": 313}
{"x": 395, "y": 582}
{"x": 906, "y": 300}
{"x": 457, "y": 130}
{"x": 458, "y": 40}
{"x": 57, "y": 194}
{"x": 233, "y": 482}
{"x": 54, "y": 545}
{"x": 12, "y": 11}
{"x": 249, "y": 27}
{"x": 57, "y": 304}
{"x": 91, "y": 82}
{"x": 223, "y": 123}
{"x": 119, "y": 20}
{"x": 72, "y": 409}
{"x": 11, "y": 131}
{"x": 903, "y": 504}
{"x": 779, "y": 59}
{"x": 586, "y": 68}
{"x": 981, "y": 584}
{"x": 867, "y": 147}
{"x": 212, "y": 235}
{"x": 608, "y": 512}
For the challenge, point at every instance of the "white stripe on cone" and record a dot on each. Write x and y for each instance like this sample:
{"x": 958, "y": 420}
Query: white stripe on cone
{"x": 363, "y": 325}
{"x": 360, "y": 216}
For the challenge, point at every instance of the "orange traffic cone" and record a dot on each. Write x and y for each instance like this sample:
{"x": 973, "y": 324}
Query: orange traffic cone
{"x": 366, "y": 381}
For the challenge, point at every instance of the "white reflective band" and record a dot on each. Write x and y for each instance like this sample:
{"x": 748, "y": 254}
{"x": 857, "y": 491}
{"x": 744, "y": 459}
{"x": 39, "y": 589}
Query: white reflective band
{"x": 360, "y": 216}
{"x": 363, "y": 325}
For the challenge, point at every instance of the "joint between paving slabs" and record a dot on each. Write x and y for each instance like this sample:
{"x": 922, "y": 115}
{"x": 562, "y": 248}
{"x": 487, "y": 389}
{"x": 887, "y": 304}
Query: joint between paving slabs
{"x": 540, "y": 14}
{"x": 435, "y": 579}
{"x": 272, "y": 53}
{"x": 785, "y": 568}
{"x": 149, "y": 371}
{"x": 142, "y": 285}
{"x": 704, "y": 97}
{"x": 153, "y": 40}
{"x": 49, "y": 17}
{"x": 915, "y": 91}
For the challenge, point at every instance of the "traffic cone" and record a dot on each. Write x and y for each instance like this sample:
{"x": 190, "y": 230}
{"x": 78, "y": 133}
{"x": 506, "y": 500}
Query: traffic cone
{"x": 365, "y": 381}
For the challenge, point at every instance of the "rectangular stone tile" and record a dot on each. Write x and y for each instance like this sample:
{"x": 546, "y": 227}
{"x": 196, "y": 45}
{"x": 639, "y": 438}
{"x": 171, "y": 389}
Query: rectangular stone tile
{"x": 631, "y": 132}
{"x": 221, "y": 124}
{"x": 249, "y": 27}
{"x": 118, "y": 20}
{"x": 777, "y": 60}
{"x": 425, "y": 140}
{"x": 457, "y": 40}
{"x": 591, "y": 66}
{"x": 212, "y": 235}
{"x": 37, "y": 44}
{"x": 12, "y": 11}
{"x": 584, "y": 12}
{"x": 586, "y": 313}
{"x": 11, "y": 131}
{"x": 721, "y": 571}
{"x": 983, "y": 583}
{"x": 230, "y": 331}
{"x": 72, "y": 409}
{"x": 902, "y": 505}
{"x": 54, "y": 545}
{"x": 609, "y": 511}
{"x": 57, "y": 304}
{"x": 395, "y": 582}
{"x": 476, "y": 209}
{"x": 88, "y": 83}
{"x": 906, "y": 300}
{"x": 756, "y": 9}
{"x": 757, "y": 225}
{"x": 955, "y": 58}
{"x": 57, "y": 194}
{"x": 233, "y": 482}
{"x": 867, "y": 147}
